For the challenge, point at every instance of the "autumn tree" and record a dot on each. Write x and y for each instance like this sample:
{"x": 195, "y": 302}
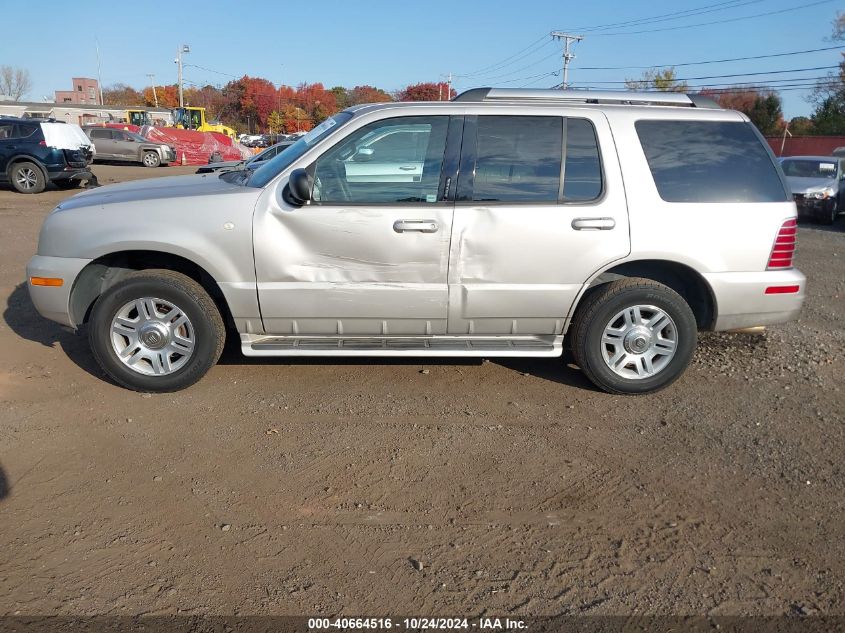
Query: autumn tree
{"x": 427, "y": 91}
{"x": 663, "y": 79}
{"x": 258, "y": 98}
{"x": 368, "y": 94}
{"x": 122, "y": 95}
{"x": 14, "y": 82}
{"x": 763, "y": 107}
{"x": 341, "y": 97}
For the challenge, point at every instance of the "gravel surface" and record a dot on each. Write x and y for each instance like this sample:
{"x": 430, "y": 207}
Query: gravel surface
{"x": 423, "y": 486}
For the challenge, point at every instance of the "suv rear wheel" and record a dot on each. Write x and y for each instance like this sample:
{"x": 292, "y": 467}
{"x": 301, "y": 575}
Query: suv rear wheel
{"x": 633, "y": 336}
{"x": 156, "y": 331}
{"x": 27, "y": 177}
{"x": 151, "y": 159}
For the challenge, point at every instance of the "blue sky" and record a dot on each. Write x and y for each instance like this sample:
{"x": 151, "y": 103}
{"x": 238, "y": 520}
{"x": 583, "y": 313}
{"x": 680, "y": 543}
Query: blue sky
{"x": 391, "y": 44}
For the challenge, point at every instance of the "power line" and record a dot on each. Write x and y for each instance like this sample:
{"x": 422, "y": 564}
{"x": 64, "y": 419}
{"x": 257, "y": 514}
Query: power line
{"x": 513, "y": 60}
{"x": 494, "y": 66}
{"x": 768, "y": 72}
{"x": 677, "y": 15}
{"x": 725, "y": 21}
{"x": 712, "y": 61}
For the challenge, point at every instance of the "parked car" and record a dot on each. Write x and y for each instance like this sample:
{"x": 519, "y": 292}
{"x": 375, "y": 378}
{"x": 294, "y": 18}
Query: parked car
{"x": 34, "y": 153}
{"x": 817, "y": 184}
{"x": 502, "y": 223}
{"x": 123, "y": 145}
{"x": 252, "y": 163}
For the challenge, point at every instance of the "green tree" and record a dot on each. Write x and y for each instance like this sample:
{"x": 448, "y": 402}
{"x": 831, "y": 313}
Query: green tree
{"x": 829, "y": 117}
{"x": 800, "y": 126}
{"x": 663, "y": 79}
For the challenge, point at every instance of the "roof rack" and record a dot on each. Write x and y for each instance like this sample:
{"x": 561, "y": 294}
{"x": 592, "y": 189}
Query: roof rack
{"x": 618, "y": 97}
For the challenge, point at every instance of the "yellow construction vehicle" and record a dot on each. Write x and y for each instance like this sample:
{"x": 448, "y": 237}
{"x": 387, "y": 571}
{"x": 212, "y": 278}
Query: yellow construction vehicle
{"x": 138, "y": 117}
{"x": 192, "y": 118}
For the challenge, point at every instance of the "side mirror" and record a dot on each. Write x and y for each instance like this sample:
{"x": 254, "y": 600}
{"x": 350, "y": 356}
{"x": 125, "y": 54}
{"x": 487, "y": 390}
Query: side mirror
{"x": 299, "y": 187}
{"x": 364, "y": 154}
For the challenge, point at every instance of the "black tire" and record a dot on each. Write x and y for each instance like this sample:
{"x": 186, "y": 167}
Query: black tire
{"x": 66, "y": 185}
{"x": 597, "y": 309}
{"x": 27, "y": 177}
{"x": 151, "y": 159}
{"x": 828, "y": 217}
{"x": 208, "y": 328}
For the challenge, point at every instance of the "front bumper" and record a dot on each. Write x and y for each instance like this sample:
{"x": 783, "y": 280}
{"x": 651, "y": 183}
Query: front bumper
{"x": 812, "y": 207}
{"x": 742, "y": 302}
{"x": 53, "y": 302}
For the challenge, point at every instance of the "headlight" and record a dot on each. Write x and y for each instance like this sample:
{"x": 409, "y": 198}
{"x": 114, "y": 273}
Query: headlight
{"x": 822, "y": 195}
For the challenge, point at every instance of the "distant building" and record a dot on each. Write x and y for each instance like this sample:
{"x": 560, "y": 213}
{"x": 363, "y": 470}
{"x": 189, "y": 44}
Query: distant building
{"x": 85, "y": 91}
{"x": 82, "y": 114}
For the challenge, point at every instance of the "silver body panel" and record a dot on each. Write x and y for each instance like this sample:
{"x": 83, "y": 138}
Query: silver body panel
{"x": 500, "y": 271}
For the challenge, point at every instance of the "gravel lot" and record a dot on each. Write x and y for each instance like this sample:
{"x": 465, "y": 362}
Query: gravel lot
{"x": 422, "y": 487}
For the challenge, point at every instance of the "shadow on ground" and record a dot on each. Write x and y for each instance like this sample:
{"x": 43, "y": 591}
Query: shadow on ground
{"x": 4, "y": 484}
{"x": 21, "y": 317}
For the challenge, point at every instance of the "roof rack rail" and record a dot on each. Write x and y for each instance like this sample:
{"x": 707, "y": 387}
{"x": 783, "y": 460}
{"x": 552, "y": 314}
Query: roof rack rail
{"x": 619, "y": 97}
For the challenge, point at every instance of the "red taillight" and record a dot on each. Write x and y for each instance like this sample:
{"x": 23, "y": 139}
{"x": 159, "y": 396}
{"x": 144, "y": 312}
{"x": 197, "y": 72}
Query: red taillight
{"x": 782, "y": 290}
{"x": 43, "y": 143}
{"x": 784, "y": 246}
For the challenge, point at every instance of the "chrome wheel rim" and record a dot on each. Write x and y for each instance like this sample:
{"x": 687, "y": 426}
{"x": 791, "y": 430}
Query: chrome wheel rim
{"x": 152, "y": 336}
{"x": 639, "y": 342}
{"x": 27, "y": 178}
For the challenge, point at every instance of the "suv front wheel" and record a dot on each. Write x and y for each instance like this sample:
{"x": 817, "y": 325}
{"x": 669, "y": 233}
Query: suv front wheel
{"x": 633, "y": 336}
{"x": 156, "y": 331}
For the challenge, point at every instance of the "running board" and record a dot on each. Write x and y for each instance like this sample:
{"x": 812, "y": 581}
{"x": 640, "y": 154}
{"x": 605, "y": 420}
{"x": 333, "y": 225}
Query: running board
{"x": 477, "y": 346}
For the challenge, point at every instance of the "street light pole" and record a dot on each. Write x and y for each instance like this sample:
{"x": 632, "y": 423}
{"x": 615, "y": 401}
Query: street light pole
{"x": 184, "y": 48}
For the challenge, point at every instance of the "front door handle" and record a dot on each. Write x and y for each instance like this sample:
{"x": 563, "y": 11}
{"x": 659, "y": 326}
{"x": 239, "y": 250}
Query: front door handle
{"x": 419, "y": 226}
{"x": 408, "y": 168}
{"x": 594, "y": 224}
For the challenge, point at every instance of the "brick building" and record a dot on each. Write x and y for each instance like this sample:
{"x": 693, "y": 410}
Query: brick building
{"x": 85, "y": 91}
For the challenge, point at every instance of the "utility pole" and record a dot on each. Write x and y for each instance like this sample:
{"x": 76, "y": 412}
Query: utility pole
{"x": 99, "y": 79}
{"x": 568, "y": 56}
{"x": 153, "y": 83}
{"x": 449, "y": 88}
{"x": 184, "y": 48}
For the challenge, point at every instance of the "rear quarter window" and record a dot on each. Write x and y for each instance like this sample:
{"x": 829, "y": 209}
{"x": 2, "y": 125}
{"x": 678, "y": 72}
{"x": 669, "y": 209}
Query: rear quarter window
{"x": 709, "y": 161}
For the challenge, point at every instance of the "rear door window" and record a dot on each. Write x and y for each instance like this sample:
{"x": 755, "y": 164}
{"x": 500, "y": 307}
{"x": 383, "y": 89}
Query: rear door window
{"x": 102, "y": 134}
{"x": 518, "y": 159}
{"x": 709, "y": 161}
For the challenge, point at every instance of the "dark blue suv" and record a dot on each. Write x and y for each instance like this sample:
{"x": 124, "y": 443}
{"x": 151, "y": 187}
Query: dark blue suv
{"x": 28, "y": 161}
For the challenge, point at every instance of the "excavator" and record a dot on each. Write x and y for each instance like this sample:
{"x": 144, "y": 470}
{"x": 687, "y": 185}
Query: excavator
{"x": 193, "y": 118}
{"x": 138, "y": 117}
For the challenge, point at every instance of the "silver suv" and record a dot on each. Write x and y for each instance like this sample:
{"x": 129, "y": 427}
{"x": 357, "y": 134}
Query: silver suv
{"x": 502, "y": 223}
{"x": 114, "y": 144}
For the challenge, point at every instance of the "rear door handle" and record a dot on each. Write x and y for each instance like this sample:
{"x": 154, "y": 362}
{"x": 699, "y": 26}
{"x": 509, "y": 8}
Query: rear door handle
{"x": 593, "y": 224}
{"x": 419, "y": 226}
{"x": 408, "y": 168}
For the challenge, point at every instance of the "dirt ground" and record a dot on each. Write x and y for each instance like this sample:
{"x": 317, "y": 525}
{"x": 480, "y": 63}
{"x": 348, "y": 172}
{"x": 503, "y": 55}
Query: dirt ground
{"x": 424, "y": 487}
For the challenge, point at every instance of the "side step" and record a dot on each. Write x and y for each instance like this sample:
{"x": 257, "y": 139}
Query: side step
{"x": 472, "y": 346}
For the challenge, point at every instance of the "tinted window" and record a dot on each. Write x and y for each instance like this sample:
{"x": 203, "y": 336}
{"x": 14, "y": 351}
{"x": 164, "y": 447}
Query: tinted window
{"x": 393, "y": 160}
{"x": 26, "y": 129}
{"x": 7, "y": 130}
{"x": 518, "y": 159}
{"x": 709, "y": 161}
{"x": 582, "y": 180}
{"x": 100, "y": 134}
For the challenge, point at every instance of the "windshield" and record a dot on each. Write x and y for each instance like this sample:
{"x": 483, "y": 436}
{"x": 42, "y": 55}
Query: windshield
{"x": 284, "y": 159}
{"x": 809, "y": 168}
